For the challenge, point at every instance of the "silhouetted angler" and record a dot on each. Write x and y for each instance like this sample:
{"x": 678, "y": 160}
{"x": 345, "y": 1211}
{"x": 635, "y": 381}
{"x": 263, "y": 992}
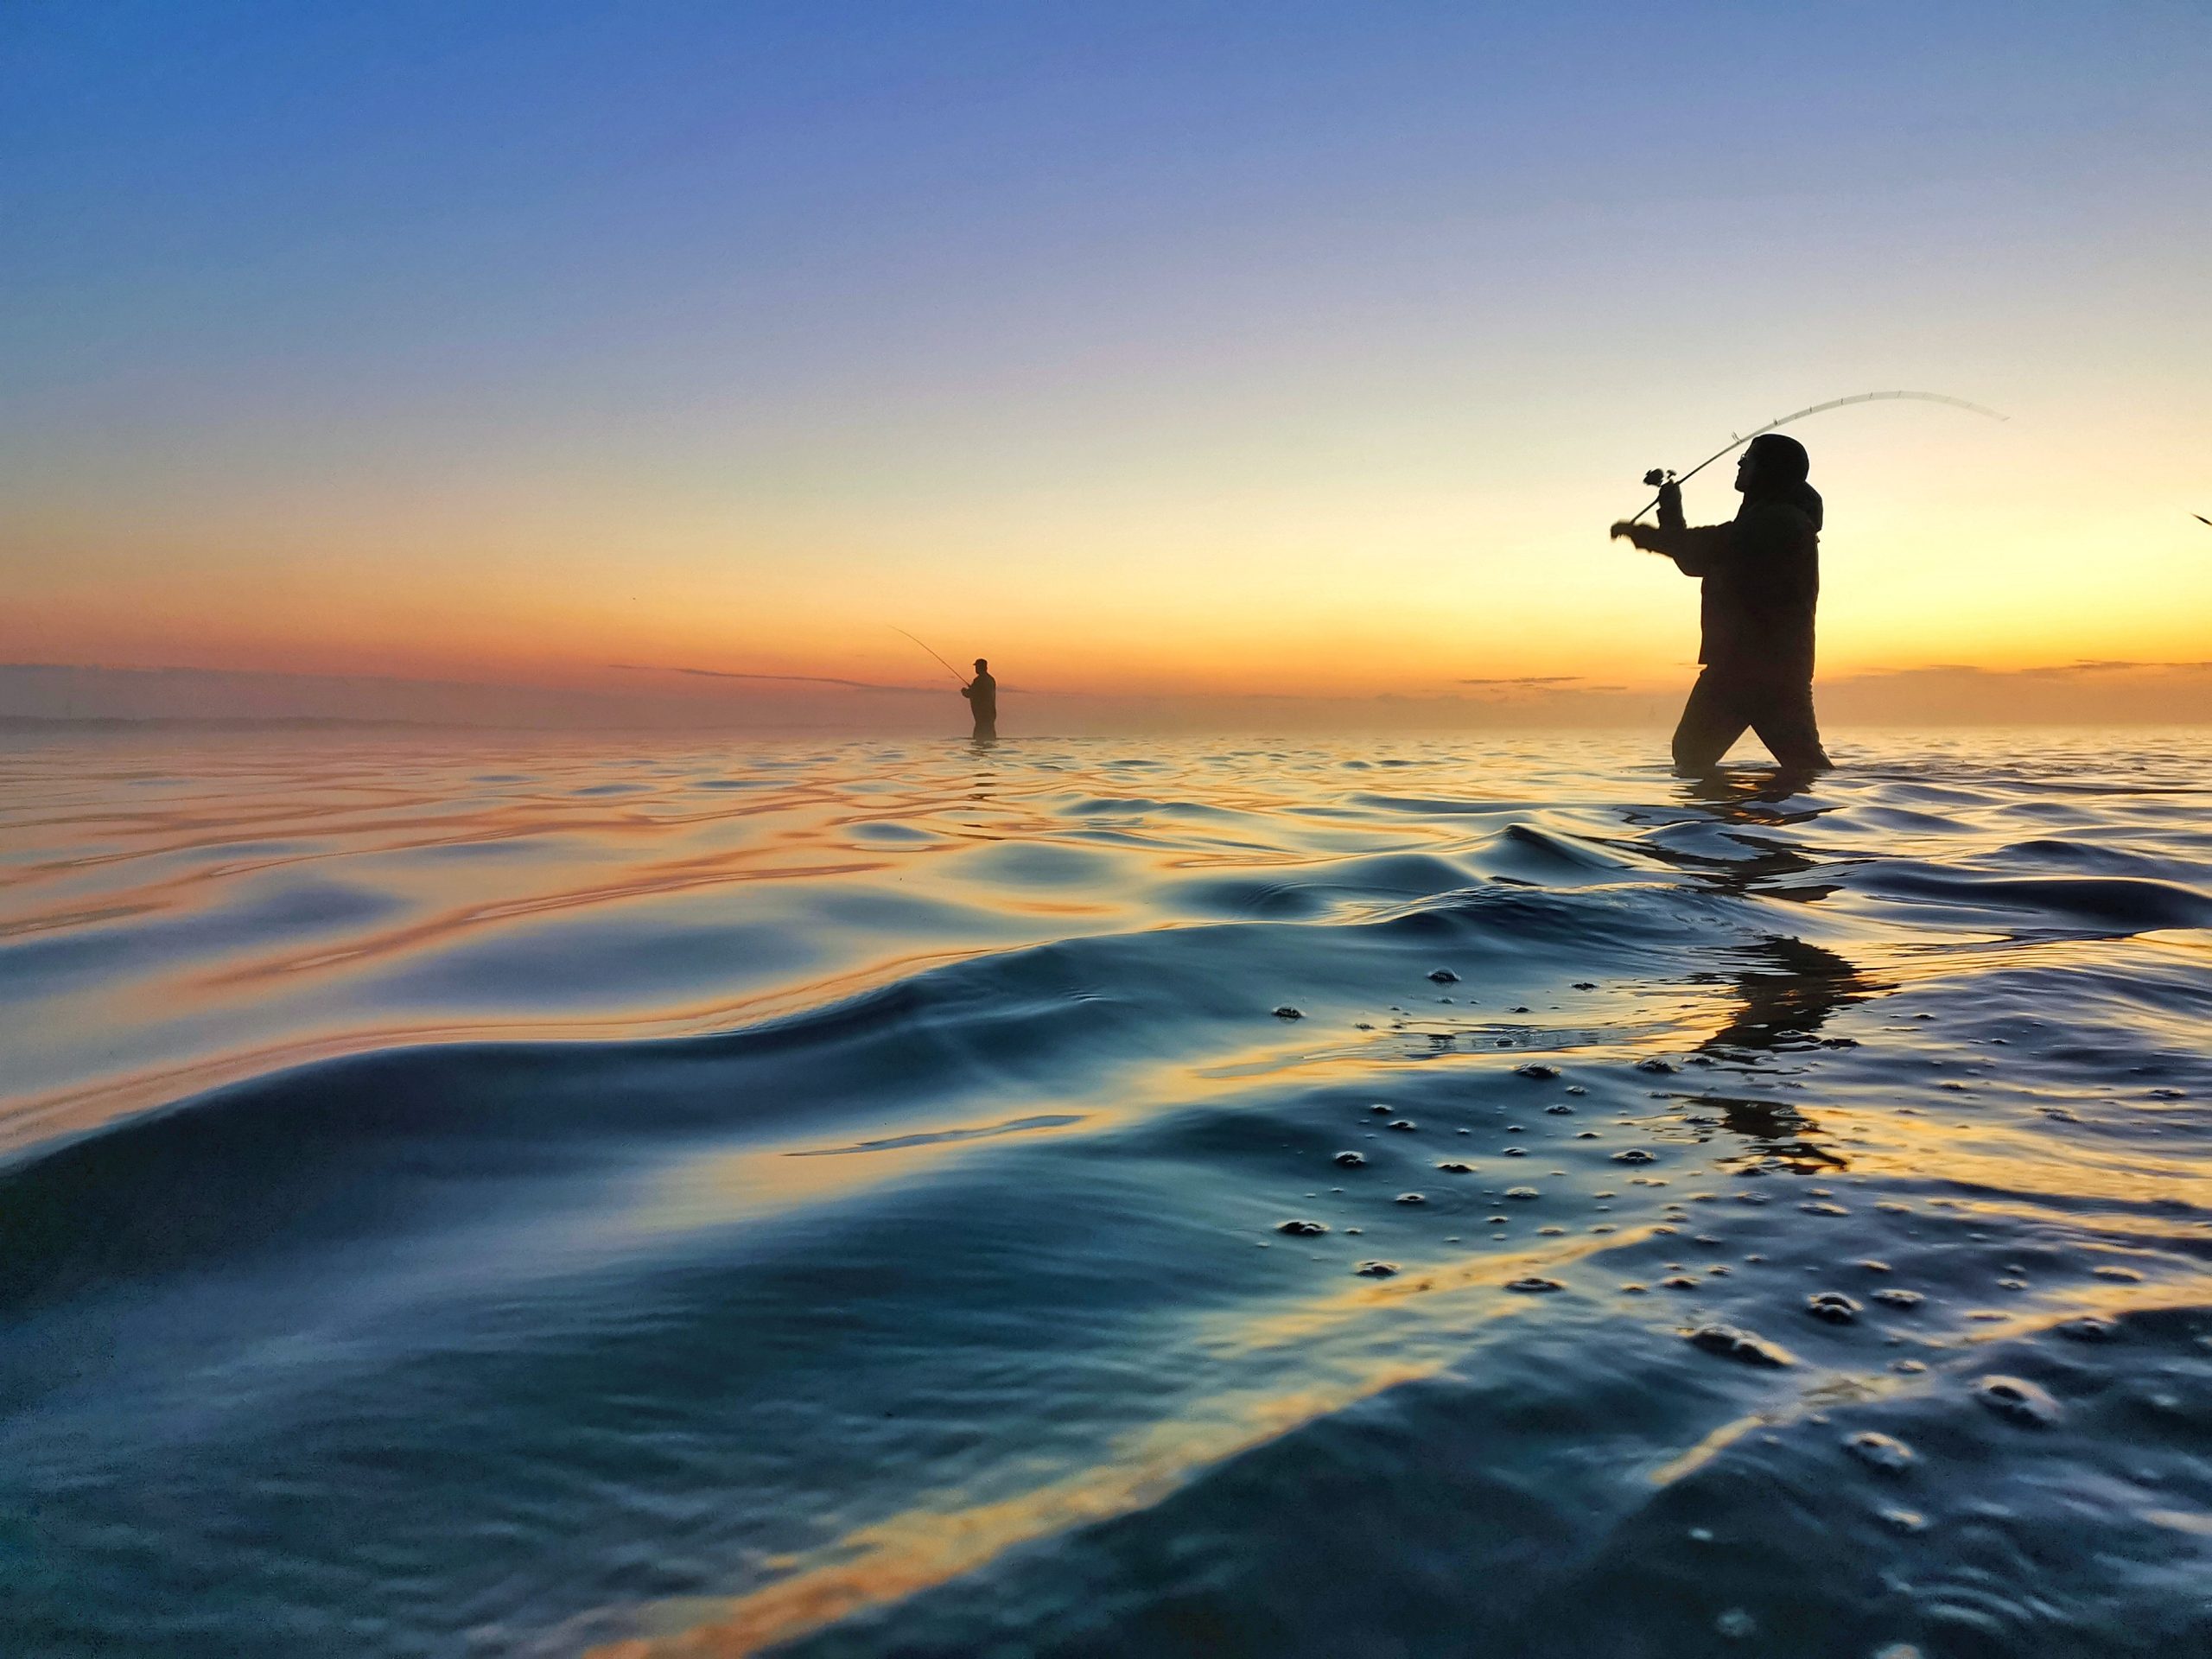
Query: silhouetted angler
{"x": 983, "y": 695}
{"x": 1761, "y": 574}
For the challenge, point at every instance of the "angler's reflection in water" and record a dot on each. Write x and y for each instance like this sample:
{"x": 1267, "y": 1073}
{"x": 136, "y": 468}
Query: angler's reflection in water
{"x": 1725, "y": 787}
{"x": 1788, "y": 989}
{"x": 1757, "y": 808}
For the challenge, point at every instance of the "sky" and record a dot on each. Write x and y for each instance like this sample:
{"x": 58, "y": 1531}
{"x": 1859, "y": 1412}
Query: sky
{"x": 1195, "y": 351}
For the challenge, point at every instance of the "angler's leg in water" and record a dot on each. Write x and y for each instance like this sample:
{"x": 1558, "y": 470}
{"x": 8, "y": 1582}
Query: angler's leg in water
{"x": 1712, "y": 720}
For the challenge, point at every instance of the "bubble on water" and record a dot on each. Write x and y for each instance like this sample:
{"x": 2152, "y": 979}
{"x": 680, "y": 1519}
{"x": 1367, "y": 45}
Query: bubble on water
{"x": 1576, "y": 1089}
{"x": 1495, "y": 1221}
{"x": 1405, "y": 1123}
{"x": 1410, "y": 1197}
{"x": 1444, "y": 976}
{"x": 1537, "y": 1070}
{"x": 1562, "y": 1109}
{"x": 1518, "y": 1008}
{"x": 1352, "y": 1159}
{"x": 1380, "y": 1109}
{"x": 2127, "y": 1275}
{"x": 1551, "y": 1232}
{"x": 2088, "y": 1328}
{"x": 2018, "y": 1400}
{"x": 1878, "y": 1450}
{"x": 1456, "y": 1169}
{"x": 1678, "y": 1283}
{"x": 1732, "y": 1342}
{"x": 1872, "y": 1266}
{"x": 1534, "y": 1286}
{"x": 1634, "y": 1155}
{"x": 2011, "y": 1284}
{"x": 1521, "y": 1192}
{"x": 1354, "y": 1232}
{"x": 1831, "y": 1306}
{"x": 1907, "y": 1521}
{"x": 1736, "y": 1624}
{"x": 1376, "y": 1269}
{"x": 1892, "y": 1296}
{"x": 1908, "y": 1367}
{"x": 1824, "y": 1209}
{"x": 1585, "y": 985}
{"x": 1632, "y": 1289}
{"x": 1654, "y": 1066}
{"x": 1286, "y": 1011}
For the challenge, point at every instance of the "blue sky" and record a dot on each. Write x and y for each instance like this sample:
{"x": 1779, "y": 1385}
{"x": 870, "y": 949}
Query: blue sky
{"x": 620, "y": 297}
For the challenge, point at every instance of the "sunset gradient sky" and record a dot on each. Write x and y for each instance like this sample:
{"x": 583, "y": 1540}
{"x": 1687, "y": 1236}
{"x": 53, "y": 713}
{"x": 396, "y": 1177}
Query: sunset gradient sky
{"x": 1195, "y": 348}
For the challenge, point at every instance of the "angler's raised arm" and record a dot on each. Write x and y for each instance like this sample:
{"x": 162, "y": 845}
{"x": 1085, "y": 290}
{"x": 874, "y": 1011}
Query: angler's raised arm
{"x": 1696, "y": 550}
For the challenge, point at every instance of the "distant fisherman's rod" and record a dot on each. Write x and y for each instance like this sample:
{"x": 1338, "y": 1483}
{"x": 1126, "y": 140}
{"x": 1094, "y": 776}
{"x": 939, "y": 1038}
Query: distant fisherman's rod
{"x": 959, "y": 678}
{"x": 1658, "y": 476}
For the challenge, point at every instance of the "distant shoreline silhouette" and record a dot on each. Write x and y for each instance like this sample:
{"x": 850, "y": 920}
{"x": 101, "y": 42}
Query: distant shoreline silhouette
{"x": 1761, "y": 576}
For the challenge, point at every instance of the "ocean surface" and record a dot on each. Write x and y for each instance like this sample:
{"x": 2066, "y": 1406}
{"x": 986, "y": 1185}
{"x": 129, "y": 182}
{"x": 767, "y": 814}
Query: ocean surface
{"x": 643, "y": 1197}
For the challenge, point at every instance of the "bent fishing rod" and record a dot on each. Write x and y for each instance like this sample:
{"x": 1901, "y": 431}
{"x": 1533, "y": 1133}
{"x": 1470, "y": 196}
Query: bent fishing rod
{"x": 1658, "y": 476}
{"x": 958, "y": 677}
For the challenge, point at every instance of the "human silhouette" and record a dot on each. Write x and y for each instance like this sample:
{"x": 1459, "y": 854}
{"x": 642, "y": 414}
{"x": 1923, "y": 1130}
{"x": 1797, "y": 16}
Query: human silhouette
{"x": 983, "y": 695}
{"x": 1762, "y": 576}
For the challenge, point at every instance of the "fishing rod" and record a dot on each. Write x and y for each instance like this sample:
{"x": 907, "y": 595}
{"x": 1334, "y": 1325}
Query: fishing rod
{"x": 957, "y": 675}
{"x": 1659, "y": 476}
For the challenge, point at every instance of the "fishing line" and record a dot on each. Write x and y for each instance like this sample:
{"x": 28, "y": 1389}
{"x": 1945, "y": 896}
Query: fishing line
{"x": 958, "y": 677}
{"x": 1653, "y": 476}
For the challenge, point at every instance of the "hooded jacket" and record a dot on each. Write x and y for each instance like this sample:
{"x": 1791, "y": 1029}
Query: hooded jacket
{"x": 1762, "y": 571}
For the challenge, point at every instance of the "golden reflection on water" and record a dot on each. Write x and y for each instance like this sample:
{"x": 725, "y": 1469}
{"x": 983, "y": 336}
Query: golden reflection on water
{"x": 892, "y": 1559}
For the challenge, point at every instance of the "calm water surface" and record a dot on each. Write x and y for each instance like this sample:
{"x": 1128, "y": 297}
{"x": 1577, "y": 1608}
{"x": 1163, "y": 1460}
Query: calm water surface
{"x": 655, "y": 1197}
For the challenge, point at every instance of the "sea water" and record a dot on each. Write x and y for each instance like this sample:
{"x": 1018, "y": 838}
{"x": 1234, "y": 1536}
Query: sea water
{"x": 644, "y": 1197}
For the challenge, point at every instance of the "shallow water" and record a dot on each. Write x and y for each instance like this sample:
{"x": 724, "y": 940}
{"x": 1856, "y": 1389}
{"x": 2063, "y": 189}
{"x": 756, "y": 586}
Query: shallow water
{"x": 502, "y": 1196}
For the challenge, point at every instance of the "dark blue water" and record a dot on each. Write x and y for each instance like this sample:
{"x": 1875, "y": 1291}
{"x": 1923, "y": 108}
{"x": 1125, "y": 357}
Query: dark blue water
{"x": 495, "y": 1198}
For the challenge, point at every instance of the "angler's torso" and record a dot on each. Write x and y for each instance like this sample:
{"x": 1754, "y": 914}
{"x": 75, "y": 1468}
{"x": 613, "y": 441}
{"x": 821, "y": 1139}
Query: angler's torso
{"x": 1758, "y": 602}
{"x": 984, "y": 696}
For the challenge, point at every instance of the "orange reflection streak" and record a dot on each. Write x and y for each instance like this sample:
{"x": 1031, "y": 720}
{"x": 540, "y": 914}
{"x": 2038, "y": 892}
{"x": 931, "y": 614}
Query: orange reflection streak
{"x": 888, "y": 1560}
{"x": 912, "y": 1552}
{"x": 893, "y": 1559}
